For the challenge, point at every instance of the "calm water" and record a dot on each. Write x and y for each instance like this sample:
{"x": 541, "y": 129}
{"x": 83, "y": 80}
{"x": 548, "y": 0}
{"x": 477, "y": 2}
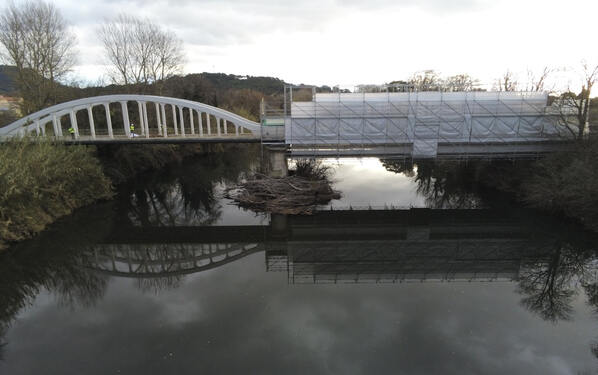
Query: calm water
{"x": 435, "y": 278}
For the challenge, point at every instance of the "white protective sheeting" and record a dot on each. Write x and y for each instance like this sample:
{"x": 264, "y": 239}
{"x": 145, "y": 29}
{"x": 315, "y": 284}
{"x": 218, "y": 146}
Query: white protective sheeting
{"x": 423, "y": 119}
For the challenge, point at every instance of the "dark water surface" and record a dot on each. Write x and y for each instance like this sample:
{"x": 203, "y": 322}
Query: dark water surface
{"x": 411, "y": 272}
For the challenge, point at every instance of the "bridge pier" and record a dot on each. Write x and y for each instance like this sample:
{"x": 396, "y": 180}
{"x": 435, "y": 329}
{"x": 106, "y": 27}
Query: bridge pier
{"x": 277, "y": 162}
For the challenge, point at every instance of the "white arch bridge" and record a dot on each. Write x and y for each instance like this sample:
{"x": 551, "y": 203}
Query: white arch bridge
{"x": 107, "y": 119}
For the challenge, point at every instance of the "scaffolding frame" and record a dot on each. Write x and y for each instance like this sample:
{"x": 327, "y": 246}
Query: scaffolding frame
{"x": 420, "y": 124}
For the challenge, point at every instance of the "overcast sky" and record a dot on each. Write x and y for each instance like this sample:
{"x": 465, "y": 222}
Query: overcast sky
{"x": 356, "y": 41}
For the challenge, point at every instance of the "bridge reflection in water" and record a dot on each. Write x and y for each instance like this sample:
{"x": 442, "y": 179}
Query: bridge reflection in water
{"x": 354, "y": 246}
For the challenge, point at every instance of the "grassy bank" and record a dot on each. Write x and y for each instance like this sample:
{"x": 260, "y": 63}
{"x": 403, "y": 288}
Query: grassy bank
{"x": 42, "y": 181}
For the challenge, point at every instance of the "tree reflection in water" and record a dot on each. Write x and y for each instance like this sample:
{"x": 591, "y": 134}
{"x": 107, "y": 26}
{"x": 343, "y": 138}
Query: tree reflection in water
{"x": 185, "y": 195}
{"x": 547, "y": 285}
{"x": 54, "y": 261}
{"x": 59, "y": 259}
{"x": 62, "y": 260}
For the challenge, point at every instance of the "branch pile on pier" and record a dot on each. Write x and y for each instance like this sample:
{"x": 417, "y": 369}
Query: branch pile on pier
{"x": 293, "y": 195}
{"x": 307, "y": 186}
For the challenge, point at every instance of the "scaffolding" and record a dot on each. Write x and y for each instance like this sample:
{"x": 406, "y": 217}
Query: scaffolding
{"x": 419, "y": 124}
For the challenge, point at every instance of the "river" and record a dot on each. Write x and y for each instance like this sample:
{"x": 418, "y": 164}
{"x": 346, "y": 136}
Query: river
{"x": 414, "y": 270}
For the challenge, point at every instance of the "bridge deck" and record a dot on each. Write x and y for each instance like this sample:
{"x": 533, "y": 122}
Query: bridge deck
{"x": 161, "y": 140}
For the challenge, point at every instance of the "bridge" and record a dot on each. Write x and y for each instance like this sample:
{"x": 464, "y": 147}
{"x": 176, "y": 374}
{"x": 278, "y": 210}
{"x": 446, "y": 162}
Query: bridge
{"x": 158, "y": 120}
{"x": 338, "y": 246}
{"x": 406, "y": 124}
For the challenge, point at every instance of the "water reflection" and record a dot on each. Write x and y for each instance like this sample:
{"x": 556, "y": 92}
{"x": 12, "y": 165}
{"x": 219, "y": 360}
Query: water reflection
{"x": 548, "y": 264}
{"x": 187, "y": 194}
{"x": 163, "y": 233}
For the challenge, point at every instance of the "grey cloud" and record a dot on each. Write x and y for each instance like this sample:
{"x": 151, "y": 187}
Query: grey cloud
{"x": 235, "y": 21}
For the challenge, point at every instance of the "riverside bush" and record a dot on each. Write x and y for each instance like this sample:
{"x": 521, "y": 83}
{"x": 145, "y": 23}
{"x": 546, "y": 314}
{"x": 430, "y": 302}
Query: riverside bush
{"x": 42, "y": 181}
{"x": 567, "y": 182}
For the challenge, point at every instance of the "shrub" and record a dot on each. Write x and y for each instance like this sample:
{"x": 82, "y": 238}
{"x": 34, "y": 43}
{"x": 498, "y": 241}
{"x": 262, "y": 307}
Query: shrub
{"x": 42, "y": 181}
{"x": 312, "y": 169}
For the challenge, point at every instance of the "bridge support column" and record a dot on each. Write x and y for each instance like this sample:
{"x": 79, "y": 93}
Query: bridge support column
{"x": 174, "y": 119}
{"x": 43, "y": 128}
{"x": 73, "y": 119}
{"x": 164, "y": 123}
{"x": 218, "y": 126}
{"x": 191, "y": 121}
{"x": 158, "y": 119}
{"x": 37, "y": 129}
{"x": 126, "y": 122}
{"x": 57, "y": 126}
{"x": 208, "y": 123}
{"x": 277, "y": 162}
{"x": 236, "y": 130}
{"x": 225, "y": 126}
{"x": 108, "y": 120}
{"x": 279, "y": 225}
{"x": 466, "y": 136}
{"x": 141, "y": 122}
{"x": 182, "y": 121}
{"x": 145, "y": 120}
{"x": 92, "y": 127}
{"x": 199, "y": 124}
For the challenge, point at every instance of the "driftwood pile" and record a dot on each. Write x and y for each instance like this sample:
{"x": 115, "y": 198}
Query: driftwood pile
{"x": 293, "y": 195}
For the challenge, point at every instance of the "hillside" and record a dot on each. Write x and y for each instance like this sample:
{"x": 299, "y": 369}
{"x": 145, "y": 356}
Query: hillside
{"x": 266, "y": 85}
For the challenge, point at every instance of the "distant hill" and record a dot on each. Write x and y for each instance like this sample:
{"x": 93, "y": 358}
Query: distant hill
{"x": 266, "y": 85}
{"x": 7, "y": 84}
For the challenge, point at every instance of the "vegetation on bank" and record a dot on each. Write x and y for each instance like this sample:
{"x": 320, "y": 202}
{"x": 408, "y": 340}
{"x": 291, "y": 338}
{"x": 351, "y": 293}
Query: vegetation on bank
{"x": 566, "y": 183}
{"x": 563, "y": 184}
{"x": 42, "y": 181}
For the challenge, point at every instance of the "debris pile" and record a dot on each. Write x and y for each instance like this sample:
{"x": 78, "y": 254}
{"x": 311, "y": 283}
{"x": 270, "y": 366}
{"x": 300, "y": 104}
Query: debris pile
{"x": 297, "y": 194}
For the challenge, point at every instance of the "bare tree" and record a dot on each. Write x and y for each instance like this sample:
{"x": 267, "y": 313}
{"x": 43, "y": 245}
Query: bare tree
{"x": 507, "y": 82}
{"x": 537, "y": 83}
{"x": 36, "y": 39}
{"x": 427, "y": 80}
{"x": 574, "y": 109}
{"x": 460, "y": 82}
{"x": 139, "y": 51}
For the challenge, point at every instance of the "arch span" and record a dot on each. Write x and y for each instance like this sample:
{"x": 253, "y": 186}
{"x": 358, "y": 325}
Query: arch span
{"x": 165, "y": 260}
{"x": 169, "y": 117}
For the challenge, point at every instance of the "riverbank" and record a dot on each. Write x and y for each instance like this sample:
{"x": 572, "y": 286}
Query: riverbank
{"x": 43, "y": 181}
{"x": 563, "y": 184}
{"x": 566, "y": 183}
